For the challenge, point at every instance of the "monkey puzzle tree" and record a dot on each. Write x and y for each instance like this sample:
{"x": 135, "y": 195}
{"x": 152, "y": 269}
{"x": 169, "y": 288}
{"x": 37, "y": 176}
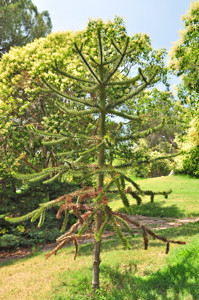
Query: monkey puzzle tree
{"x": 110, "y": 90}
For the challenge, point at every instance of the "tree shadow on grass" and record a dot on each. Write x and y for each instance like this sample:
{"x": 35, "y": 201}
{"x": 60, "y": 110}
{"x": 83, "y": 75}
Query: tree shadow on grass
{"x": 156, "y": 209}
{"x": 178, "y": 280}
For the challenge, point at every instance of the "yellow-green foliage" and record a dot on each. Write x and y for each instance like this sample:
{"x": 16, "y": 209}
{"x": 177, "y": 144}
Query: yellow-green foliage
{"x": 185, "y": 51}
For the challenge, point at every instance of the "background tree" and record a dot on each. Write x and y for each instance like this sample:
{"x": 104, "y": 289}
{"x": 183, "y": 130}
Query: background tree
{"x": 154, "y": 105}
{"x": 184, "y": 62}
{"x": 103, "y": 79}
{"x": 185, "y": 52}
{"x": 21, "y": 23}
{"x": 189, "y": 162}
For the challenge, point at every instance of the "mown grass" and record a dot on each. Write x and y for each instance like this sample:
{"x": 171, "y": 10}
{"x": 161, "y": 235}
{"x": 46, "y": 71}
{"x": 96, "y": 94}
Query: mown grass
{"x": 182, "y": 202}
{"x": 125, "y": 274}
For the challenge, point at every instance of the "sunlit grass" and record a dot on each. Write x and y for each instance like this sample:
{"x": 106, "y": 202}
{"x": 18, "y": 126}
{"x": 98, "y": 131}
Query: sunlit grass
{"x": 182, "y": 202}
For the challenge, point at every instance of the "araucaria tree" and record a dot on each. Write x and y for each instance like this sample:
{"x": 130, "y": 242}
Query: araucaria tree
{"x": 101, "y": 89}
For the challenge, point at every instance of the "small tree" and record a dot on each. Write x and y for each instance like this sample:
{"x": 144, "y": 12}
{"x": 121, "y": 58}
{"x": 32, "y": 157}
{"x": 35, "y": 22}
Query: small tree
{"x": 90, "y": 203}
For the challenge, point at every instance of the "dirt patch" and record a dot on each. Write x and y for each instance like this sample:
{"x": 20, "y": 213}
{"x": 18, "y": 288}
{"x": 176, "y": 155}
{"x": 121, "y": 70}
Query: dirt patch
{"x": 162, "y": 223}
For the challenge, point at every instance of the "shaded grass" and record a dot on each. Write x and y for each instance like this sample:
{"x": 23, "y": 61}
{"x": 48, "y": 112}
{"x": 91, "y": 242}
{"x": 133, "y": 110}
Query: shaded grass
{"x": 182, "y": 202}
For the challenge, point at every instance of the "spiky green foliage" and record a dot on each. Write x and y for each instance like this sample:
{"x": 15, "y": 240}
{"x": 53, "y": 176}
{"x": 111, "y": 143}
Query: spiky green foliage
{"x": 86, "y": 224}
{"x": 120, "y": 234}
{"x": 22, "y": 218}
{"x": 99, "y": 234}
{"x": 125, "y": 225}
{"x": 105, "y": 83}
{"x": 63, "y": 228}
{"x": 123, "y": 196}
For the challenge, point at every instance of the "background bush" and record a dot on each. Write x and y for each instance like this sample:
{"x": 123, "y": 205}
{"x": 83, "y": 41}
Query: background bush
{"x": 191, "y": 163}
{"x": 28, "y": 198}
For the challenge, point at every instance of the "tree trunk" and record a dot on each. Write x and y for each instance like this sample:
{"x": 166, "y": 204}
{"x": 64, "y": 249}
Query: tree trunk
{"x": 101, "y": 161}
{"x": 96, "y": 256}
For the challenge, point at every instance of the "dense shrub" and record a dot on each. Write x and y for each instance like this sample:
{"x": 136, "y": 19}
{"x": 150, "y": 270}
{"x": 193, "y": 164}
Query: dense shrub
{"x": 155, "y": 169}
{"x": 9, "y": 241}
{"x": 26, "y": 234}
{"x": 191, "y": 163}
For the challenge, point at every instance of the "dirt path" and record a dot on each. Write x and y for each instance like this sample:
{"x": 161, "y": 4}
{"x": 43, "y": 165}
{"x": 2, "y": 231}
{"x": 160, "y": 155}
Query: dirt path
{"x": 162, "y": 223}
{"x": 150, "y": 222}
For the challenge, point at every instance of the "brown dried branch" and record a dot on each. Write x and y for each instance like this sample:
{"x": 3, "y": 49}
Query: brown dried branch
{"x": 76, "y": 211}
{"x": 70, "y": 196}
{"x": 68, "y": 240}
{"x": 75, "y": 241}
{"x": 90, "y": 193}
{"x": 126, "y": 218}
{"x": 149, "y": 231}
{"x": 69, "y": 205}
{"x": 73, "y": 227}
{"x": 167, "y": 248}
{"x": 63, "y": 207}
{"x": 145, "y": 237}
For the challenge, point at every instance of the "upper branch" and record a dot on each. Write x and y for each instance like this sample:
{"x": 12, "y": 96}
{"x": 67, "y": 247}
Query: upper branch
{"x": 86, "y": 63}
{"x": 76, "y": 112}
{"x": 141, "y": 134}
{"x": 112, "y": 60}
{"x": 132, "y": 162}
{"x": 163, "y": 157}
{"x": 125, "y": 82}
{"x": 56, "y": 68}
{"x": 100, "y": 46}
{"x": 74, "y": 99}
{"x": 118, "y": 63}
{"x": 116, "y": 47}
{"x": 134, "y": 93}
{"x": 123, "y": 115}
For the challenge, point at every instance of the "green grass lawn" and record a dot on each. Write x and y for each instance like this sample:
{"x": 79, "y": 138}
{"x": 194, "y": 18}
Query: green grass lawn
{"x": 125, "y": 274}
{"x": 182, "y": 202}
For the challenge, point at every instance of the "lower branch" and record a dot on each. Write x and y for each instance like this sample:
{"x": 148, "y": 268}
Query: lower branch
{"x": 68, "y": 239}
{"x": 149, "y": 231}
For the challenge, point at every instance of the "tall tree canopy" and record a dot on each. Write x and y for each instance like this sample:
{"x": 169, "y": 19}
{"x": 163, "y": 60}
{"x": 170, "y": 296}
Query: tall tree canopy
{"x": 21, "y": 23}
